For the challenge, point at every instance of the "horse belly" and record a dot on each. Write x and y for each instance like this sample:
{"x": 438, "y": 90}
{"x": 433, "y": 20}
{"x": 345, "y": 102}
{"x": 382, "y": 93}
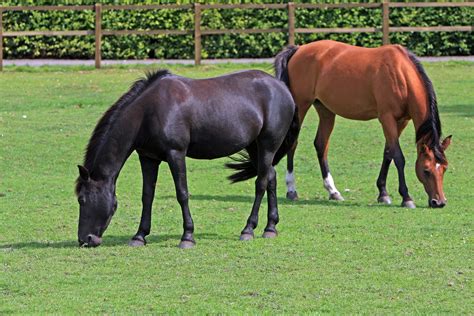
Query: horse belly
{"x": 352, "y": 107}
{"x": 347, "y": 93}
{"x": 227, "y": 128}
{"x": 212, "y": 145}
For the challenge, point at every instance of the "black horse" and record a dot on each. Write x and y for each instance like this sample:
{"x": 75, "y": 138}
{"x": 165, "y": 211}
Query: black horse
{"x": 165, "y": 117}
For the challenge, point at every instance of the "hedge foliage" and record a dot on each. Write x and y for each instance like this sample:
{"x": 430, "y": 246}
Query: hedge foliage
{"x": 222, "y": 46}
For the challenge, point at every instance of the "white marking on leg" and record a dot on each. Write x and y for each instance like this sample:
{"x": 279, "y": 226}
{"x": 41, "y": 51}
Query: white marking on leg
{"x": 329, "y": 184}
{"x": 290, "y": 182}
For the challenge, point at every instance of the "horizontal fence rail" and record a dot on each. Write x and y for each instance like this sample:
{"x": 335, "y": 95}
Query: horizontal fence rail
{"x": 198, "y": 32}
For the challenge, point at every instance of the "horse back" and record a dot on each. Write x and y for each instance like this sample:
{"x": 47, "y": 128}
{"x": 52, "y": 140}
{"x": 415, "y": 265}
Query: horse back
{"x": 354, "y": 82}
{"x": 215, "y": 117}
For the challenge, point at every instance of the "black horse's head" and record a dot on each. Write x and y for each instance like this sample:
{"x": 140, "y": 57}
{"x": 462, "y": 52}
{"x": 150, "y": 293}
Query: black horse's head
{"x": 97, "y": 205}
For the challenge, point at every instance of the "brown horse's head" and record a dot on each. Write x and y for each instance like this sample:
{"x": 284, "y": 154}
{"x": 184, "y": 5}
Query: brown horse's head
{"x": 97, "y": 205}
{"x": 430, "y": 169}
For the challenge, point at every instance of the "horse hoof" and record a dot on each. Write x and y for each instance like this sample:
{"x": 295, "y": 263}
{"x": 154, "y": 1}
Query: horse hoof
{"x": 384, "y": 199}
{"x": 293, "y": 196}
{"x": 246, "y": 236}
{"x": 186, "y": 244}
{"x": 137, "y": 241}
{"x": 269, "y": 234}
{"x": 408, "y": 204}
{"x": 336, "y": 196}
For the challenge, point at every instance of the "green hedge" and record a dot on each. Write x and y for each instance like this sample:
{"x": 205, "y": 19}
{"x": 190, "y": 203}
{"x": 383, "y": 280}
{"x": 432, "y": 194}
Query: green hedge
{"x": 222, "y": 46}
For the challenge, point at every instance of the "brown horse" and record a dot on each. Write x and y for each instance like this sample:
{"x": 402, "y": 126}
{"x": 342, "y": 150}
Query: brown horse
{"x": 387, "y": 83}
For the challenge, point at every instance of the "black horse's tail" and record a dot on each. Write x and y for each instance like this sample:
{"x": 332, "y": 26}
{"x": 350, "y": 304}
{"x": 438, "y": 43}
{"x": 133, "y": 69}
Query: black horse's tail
{"x": 281, "y": 63}
{"x": 247, "y": 168}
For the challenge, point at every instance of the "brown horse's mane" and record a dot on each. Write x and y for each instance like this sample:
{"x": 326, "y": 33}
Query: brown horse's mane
{"x": 430, "y": 130}
{"x": 109, "y": 117}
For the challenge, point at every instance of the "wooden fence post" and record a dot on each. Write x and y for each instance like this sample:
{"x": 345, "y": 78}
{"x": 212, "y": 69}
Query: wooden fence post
{"x": 98, "y": 34}
{"x": 291, "y": 23}
{"x": 197, "y": 34}
{"x": 385, "y": 22}
{"x": 1, "y": 38}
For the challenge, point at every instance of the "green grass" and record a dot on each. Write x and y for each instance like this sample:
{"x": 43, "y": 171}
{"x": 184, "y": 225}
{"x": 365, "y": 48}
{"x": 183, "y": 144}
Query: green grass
{"x": 349, "y": 257}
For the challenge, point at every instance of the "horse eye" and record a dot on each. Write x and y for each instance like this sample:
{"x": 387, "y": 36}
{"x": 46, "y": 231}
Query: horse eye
{"x": 426, "y": 172}
{"x": 81, "y": 200}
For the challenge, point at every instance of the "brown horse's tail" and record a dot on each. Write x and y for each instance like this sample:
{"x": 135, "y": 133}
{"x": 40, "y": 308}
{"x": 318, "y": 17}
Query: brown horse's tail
{"x": 281, "y": 63}
{"x": 247, "y": 168}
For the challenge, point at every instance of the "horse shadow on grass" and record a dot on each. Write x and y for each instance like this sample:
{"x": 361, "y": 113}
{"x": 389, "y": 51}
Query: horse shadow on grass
{"x": 249, "y": 199}
{"x": 281, "y": 201}
{"x": 304, "y": 201}
{"x": 109, "y": 241}
{"x": 161, "y": 239}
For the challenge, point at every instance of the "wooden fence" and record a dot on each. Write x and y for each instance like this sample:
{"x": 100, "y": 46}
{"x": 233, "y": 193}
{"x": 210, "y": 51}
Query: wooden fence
{"x": 198, "y": 32}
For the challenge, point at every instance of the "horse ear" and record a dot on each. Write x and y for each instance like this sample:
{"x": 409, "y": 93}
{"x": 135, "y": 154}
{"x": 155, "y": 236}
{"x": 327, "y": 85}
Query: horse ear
{"x": 446, "y": 142}
{"x": 83, "y": 173}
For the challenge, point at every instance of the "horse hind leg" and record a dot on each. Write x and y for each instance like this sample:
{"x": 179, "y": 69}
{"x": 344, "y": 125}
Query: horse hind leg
{"x": 264, "y": 162}
{"x": 321, "y": 144}
{"x": 272, "y": 216}
{"x": 291, "y": 193}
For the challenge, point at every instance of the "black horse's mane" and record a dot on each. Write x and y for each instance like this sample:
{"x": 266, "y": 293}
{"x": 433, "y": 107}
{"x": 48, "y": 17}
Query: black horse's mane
{"x": 430, "y": 129}
{"x": 111, "y": 114}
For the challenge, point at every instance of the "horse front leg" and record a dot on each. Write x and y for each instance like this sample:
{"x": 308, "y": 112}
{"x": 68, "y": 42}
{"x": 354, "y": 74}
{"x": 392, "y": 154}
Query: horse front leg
{"x": 321, "y": 144}
{"x": 149, "y": 174}
{"x": 382, "y": 179}
{"x": 399, "y": 160}
{"x": 387, "y": 159}
{"x": 391, "y": 131}
{"x": 177, "y": 163}
{"x": 272, "y": 216}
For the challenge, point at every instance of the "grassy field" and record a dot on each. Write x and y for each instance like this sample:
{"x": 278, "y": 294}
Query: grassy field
{"x": 348, "y": 257}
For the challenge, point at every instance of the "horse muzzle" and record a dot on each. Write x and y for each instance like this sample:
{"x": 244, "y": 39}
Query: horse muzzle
{"x": 434, "y": 203}
{"x": 91, "y": 240}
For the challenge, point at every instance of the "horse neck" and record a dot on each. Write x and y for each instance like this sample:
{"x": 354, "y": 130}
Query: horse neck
{"x": 116, "y": 146}
{"x": 423, "y": 106}
{"x": 421, "y": 116}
